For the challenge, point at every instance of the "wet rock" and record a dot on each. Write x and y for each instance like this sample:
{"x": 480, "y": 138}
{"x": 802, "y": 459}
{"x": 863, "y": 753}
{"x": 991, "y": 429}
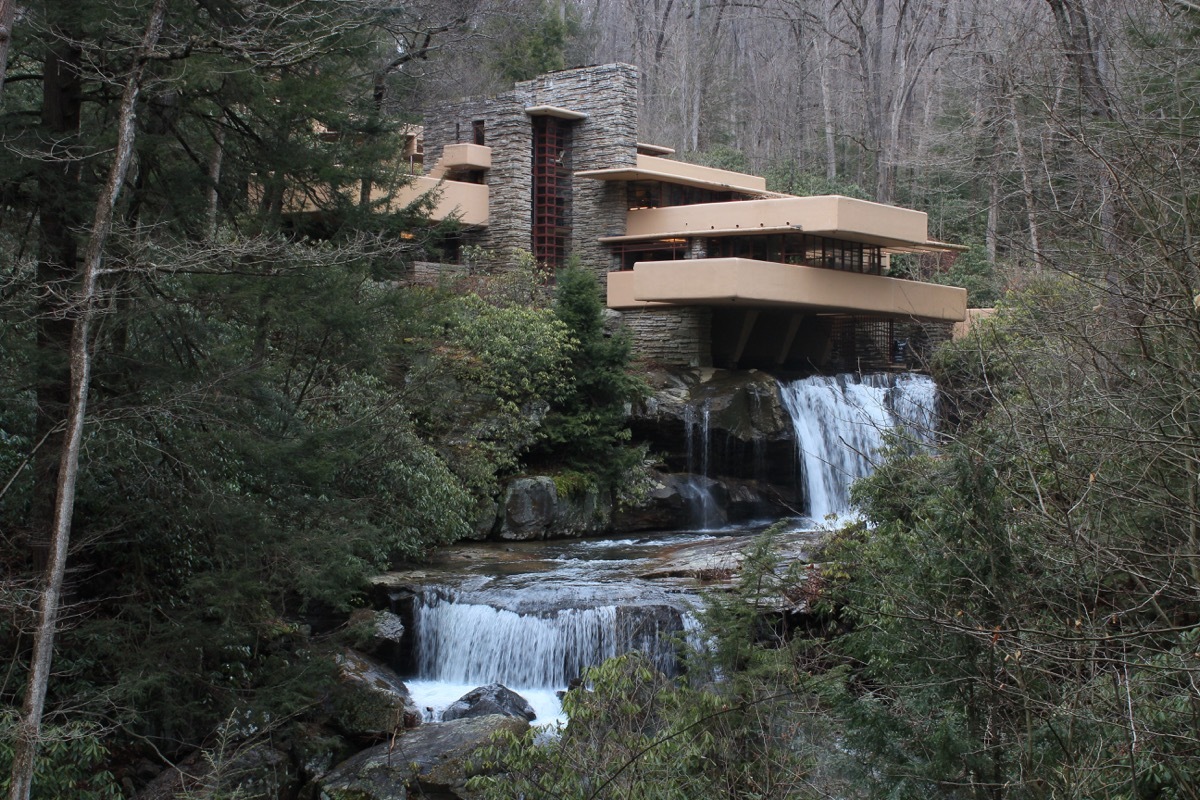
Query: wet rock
{"x": 486, "y": 519}
{"x": 535, "y": 509}
{"x": 378, "y": 633}
{"x": 315, "y": 750}
{"x": 254, "y": 771}
{"x": 727, "y": 426}
{"x": 433, "y": 761}
{"x": 529, "y": 505}
{"x": 371, "y": 702}
{"x": 740, "y": 407}
{"x": 494, "y": 698}
{"x": 663, "y": 507}
{"x": 652, "y": 631}
{"x": 718, "y": 564}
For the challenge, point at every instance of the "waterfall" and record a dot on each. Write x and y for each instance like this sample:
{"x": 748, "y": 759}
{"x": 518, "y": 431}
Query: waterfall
{"x": 464, "y": 642}
{"x": 705, "y": 510}
{"x": 840, "y": 423}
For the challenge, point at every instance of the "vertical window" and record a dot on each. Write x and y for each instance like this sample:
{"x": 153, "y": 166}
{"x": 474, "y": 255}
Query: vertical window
{"x": 477, "y": 130}
{"x": 551, "y": 189}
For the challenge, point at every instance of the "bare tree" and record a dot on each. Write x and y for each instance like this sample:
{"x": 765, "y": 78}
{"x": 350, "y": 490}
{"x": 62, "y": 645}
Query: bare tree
{"x": 85, "y": 307}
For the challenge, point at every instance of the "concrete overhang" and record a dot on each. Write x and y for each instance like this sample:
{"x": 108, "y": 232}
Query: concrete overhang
{"x": 466, "y": 156}
{"x": 466, "y": 202}
{"x": 930, "y": 246}
{"x": 899, "y": 229}
{"x": 647, "y": 149}
{"x": 555, "y": 111}
{"x": 746, "y": 283}
{"x": 654, "y": 168}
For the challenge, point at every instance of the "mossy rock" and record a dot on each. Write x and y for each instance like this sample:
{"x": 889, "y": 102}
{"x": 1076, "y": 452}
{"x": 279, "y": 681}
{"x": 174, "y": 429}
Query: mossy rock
{"x": 433, "y": 761}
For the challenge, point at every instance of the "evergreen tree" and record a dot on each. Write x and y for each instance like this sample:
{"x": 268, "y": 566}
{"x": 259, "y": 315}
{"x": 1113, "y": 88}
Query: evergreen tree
{"x": 586, "y": 429}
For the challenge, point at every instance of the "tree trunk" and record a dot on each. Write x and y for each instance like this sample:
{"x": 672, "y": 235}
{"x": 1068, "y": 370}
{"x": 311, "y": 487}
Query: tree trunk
{"x": 57, "y": 268}
{"x": 215, "y": 163}
{"x": 29, "y": 730}
{"x": 831, "y": 170}
{"x": 1035, "y": 245}
{"x": 8, "y": 15}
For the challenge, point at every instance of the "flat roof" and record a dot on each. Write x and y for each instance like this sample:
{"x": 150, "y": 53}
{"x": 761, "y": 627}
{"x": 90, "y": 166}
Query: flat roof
{"x": 554, "y": 111}
{"x": 654, "y": 149}
{"x": 635, "y": 174}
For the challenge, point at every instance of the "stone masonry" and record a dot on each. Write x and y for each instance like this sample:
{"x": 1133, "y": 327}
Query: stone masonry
{"x": 672, "y": 336}
{"x": 606, "y": 138}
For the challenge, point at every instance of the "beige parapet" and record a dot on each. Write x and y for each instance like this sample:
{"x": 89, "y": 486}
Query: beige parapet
{"x": 468, "y": 202}
{"x": 749, "y": 283}
{"x": 620, "y": 292}
{"x": 695, "y": 172}
{"x": 656, "y": 168}
{"x": 462, "y": 156}
{"x": 828, "y": 215}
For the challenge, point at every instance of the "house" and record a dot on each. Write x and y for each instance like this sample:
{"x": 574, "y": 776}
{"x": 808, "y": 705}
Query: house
{"x": 706, "y": 266}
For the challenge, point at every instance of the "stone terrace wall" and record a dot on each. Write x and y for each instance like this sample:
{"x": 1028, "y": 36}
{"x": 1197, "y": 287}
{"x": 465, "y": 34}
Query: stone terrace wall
{"x": 678, "y": 337}
{"x": 607, "y": 138}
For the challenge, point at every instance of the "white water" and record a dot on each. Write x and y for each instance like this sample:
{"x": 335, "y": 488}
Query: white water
{"x": 475, "y": 643}
{"x": 840, "y": 424}
{"x": 706, "y": 514}
{"x": 464, "y": 641}
{"x": 537, "y": 630}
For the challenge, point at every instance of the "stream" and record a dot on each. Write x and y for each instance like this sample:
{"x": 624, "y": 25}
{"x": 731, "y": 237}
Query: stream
{"x": 534, "y": 615}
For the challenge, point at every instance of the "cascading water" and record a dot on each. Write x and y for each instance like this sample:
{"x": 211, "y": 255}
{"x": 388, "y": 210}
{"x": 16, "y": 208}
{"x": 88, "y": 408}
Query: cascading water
{"x": 840, "y": 423}
{"x": 535, "y": 646}
{"x": 698, "y": 490}
{"x": 534, "y": 623}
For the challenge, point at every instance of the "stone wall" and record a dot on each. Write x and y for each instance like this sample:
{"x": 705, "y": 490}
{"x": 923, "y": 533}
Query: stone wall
{"x": 607, "y": 138}
{"x": 672, "y": 336}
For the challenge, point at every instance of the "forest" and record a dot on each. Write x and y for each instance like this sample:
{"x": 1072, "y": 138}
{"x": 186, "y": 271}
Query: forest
{"x": 217, "y": 421}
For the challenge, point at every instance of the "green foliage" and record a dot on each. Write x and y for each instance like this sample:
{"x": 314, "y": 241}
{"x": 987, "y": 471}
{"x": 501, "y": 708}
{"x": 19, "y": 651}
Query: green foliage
{"x": 789, "y": 178}
{"x": 272, "y": 418}
{"x": 70, "y": 763}
{"x": 537, "y": 47}
{"x": 635, "y": 733}
{"x": 1018, "y": 606}
{"x": 722, "y": 156}
{"x": 585, "y": 428}
{"x": 972, "y": 271}
{"x": 572, "y": 483}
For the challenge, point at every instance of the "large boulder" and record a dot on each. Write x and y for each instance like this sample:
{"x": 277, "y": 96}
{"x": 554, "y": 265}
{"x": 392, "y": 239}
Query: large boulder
{"x": 494, "y": 698}
{"x": 534, "y": 508}
{"x": 378, "y": 633}
{"x": 371, "y": 701}
{"x": 731, "y": 422}
{"x": 433, "y": 762}
{"x": 529, "y": 506}
{"x": 250, "y": 770}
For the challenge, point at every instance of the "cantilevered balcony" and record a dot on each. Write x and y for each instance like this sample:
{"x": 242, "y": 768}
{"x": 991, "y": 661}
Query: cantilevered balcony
{"x": 466, "y": 202}
{"x": 655, "y": 168}
{"x": 462, "y": 157}
{"x": 896, "y": 229}
{"x": 750, "y": 284}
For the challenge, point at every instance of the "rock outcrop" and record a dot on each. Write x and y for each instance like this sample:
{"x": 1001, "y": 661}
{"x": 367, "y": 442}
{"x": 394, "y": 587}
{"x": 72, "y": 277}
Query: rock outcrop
{"x": 534, "y": 508}
{"x": 371, "y": 701}
{"x": 433, "y": 761}
{"x": 715, "y": 431}
{"x": 494, "y": 698}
